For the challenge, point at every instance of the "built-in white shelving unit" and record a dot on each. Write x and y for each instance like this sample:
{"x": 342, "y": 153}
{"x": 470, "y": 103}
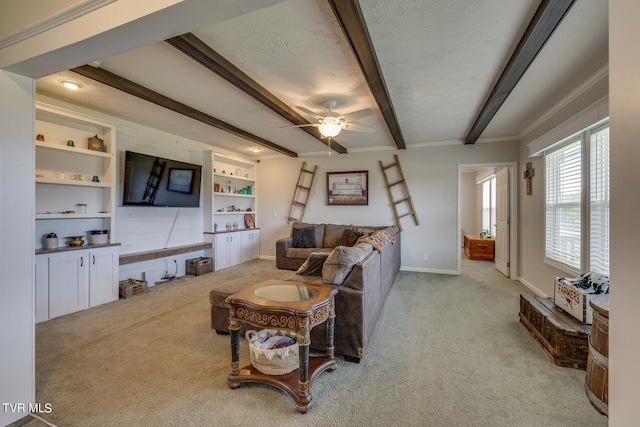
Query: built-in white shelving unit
{"x": 75, "y": 194}
{"x": 230, "y": 191}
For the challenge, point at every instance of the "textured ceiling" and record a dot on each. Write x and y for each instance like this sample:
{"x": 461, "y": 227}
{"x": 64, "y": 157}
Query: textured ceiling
{"x": 440, "y": 60}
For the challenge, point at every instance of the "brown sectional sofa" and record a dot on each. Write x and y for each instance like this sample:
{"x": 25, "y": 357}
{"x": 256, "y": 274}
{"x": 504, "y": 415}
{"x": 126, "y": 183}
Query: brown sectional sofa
{"x": 363, "y": 286}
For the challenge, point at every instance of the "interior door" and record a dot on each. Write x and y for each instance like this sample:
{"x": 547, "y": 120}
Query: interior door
{"x": 502, "y": 221}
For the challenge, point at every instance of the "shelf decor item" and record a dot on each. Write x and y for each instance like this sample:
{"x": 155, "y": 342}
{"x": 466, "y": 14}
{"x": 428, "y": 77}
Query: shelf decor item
{"x": 96, "y": 144}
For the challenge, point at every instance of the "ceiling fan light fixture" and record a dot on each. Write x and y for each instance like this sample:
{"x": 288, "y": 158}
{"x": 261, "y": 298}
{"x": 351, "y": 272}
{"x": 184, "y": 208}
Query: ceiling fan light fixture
{"x": 330, "y": 126}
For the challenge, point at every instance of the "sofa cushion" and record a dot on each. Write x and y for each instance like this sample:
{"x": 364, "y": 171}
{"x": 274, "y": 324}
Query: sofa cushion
{"x": 313, "y": 265}
{"x": 341, "y": 261}
{"x": 319, "y": 229}
{"x": 333, "y": 234}
{"x": 304, "y": 237}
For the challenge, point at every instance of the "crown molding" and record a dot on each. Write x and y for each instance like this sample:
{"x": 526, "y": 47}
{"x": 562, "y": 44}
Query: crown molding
{"x": 61, "y": 17}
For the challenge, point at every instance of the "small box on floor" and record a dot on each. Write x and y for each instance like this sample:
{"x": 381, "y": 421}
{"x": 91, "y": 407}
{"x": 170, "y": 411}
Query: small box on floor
{"x": 573, "y": 295}
{"x": 199, "y": 266}
{"x": 131, "y": 287}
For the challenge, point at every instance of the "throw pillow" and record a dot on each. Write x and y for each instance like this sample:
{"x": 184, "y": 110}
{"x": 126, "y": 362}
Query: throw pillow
{"x": 349, "y": 237}
{"x": 313, "y": 265}
{"x": 341, "y": 261}
{"x": 304, "y": 237}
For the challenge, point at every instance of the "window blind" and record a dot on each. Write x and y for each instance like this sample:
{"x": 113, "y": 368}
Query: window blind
{"x": 562, "y": 204}
{"x": 599, "y": 201}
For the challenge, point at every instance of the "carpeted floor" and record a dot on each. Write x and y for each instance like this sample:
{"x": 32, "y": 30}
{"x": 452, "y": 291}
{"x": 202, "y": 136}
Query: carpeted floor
{"x": 447, "y": 351}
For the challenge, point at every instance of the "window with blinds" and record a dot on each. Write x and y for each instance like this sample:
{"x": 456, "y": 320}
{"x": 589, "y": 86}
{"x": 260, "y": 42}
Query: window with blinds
{"x": 577, "y": 203}
{"x": 599, "y": 201}
{"x": 562, "y": 206}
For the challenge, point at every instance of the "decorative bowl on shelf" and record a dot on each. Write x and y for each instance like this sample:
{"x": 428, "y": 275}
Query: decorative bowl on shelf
{"x": 75, "y": 240}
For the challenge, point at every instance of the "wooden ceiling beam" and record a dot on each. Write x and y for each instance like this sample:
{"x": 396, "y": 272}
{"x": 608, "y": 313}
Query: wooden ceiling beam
{"x": 115, "y": 81}
{"x": 202, "y": 53}
{"x": 350, "y": 18}
{"x": 546, "y": 19}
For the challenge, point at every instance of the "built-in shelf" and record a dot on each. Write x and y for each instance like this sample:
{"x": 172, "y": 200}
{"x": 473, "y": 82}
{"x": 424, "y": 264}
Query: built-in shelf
{"x": 239, "y": 179}
{"x": 75, "y": 150}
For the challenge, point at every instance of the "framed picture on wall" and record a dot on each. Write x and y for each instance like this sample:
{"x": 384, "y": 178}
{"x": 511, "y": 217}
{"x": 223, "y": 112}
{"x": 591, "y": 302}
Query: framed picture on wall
{"x": 348, "y": 188}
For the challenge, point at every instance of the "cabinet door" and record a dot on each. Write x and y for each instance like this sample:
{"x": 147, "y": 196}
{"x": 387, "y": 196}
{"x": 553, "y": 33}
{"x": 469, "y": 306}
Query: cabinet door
{"x": 245, "y": 245}
{"x": 42, "y": 288}
{"x": 221, "y": 251}
{"x": 235, "y": 248}
{"x": 68, "y": 283}
{"x": 255, "y": 244}
{"x": 103, "y": 286}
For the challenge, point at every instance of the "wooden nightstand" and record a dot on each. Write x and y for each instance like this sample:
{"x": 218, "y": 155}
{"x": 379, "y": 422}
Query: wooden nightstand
{"x": 477, "y": 248}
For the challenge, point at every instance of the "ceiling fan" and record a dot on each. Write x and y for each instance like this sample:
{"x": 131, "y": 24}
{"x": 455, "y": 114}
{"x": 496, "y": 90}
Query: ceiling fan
{"x": 331, "y": 124}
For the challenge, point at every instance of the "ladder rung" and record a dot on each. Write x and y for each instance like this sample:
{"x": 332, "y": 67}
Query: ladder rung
{"x": 293, "y": 219}
{"x": 306, "y": 170}
{"x": 294, "y": 202}
{"x": 406, "y": 214}
{"x": 402, "y": 201}
{"x": 302, "y": 187}
{"x": 397, "y": 182}
{"x": 390, "y": 166}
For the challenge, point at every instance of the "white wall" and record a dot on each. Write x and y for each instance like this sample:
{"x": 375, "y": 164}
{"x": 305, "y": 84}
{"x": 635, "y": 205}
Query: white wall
{"x": 17, "y": 335}
{"x": 432, "y": 177}
{"x": 469, "y": 206}
{"x": 624, "y": 338}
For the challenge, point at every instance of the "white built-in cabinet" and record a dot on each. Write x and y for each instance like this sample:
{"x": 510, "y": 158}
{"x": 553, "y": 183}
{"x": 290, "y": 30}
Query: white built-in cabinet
{"x": 75, "y": 194}
{"x": 230, "y": 193}
{"x": 74, "y": 280}
{"x": 234, "y": 247}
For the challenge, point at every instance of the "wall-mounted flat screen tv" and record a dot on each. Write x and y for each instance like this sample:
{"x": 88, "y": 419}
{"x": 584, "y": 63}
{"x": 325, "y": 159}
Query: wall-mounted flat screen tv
{"x": 156, "y": 181}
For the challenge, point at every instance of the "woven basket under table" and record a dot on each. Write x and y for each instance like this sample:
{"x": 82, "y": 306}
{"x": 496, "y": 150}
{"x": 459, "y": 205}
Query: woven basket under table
{"x": 278, "y": 361}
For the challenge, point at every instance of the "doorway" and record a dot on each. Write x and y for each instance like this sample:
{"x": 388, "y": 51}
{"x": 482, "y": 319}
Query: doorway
{"x": 498, "y": 216}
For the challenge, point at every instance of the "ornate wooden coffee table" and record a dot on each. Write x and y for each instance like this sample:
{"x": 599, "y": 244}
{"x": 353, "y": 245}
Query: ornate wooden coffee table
{"x": 287, "y": 306}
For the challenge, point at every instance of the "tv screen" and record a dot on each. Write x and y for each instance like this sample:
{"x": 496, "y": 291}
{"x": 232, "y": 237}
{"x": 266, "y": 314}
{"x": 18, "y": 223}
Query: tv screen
{"x": 156, "y": 181}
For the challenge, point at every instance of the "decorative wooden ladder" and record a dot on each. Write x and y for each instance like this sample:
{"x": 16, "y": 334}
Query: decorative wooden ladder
{"x": 155, "y": 176}
{"x": 301, "y": 192}
{"x": 404, "y": 196}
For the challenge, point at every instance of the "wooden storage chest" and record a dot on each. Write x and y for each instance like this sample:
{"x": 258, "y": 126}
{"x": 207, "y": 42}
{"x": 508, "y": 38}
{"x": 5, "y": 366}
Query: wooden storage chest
{"x": 477, "y": 248}
{"x": 563, "y": 338}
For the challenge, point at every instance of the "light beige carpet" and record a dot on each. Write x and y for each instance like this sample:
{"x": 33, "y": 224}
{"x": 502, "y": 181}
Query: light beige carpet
{"x": 447, "y": 351}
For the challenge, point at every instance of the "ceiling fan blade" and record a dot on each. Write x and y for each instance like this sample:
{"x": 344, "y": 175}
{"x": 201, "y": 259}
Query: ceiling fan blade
{"x": 356, "y": 115}
{"x": 301, "y": 126}
{"x": 309, "y": 112}
{"x": 353, "y": 127}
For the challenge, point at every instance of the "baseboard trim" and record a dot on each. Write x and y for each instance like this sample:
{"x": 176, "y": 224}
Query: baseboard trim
{"x": 430, "y": 270}
{"x": 532, "y": 287}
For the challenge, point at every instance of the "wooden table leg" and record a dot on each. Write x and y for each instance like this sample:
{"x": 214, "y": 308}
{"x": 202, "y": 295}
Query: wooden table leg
{"x": 234, "y": 329}
{"x": 330, "y": 333}
{"x": 304, "y": 341}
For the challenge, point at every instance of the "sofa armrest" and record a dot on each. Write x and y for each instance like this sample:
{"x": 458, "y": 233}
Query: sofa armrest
{"x": 281, "y": 248}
